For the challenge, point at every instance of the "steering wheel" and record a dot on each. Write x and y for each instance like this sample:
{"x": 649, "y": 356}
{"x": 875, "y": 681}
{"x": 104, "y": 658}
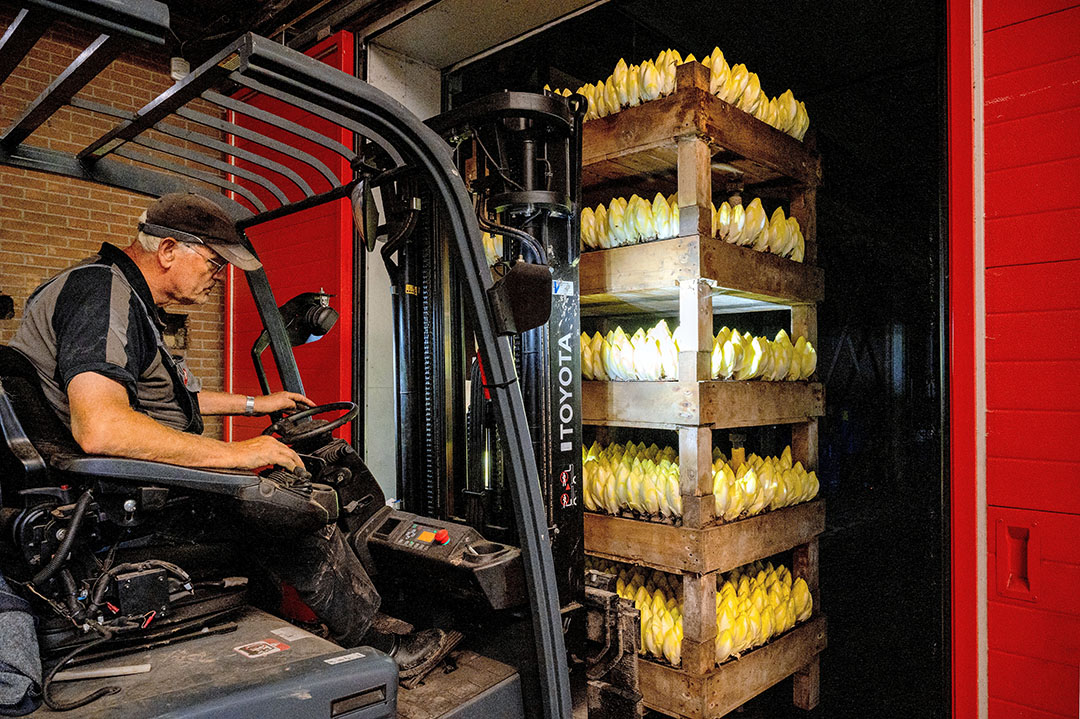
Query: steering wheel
{"x": 287, "y": 430}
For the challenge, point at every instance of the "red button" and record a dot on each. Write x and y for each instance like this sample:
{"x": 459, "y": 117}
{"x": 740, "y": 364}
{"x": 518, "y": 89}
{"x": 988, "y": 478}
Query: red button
{"x": 442, "y": 537}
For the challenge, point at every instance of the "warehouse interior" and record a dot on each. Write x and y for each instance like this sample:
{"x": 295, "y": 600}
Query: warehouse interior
{"x": 872, "y": 76}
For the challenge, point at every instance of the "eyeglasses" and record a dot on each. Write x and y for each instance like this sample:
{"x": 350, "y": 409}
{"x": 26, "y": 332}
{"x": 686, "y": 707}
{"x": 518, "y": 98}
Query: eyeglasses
{"x": 216, "y": 263}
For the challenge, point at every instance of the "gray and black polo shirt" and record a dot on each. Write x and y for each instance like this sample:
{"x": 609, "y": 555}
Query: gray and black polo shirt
{"x": 99, "y": 316}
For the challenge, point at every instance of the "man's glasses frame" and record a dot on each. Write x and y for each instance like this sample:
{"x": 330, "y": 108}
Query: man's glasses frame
{"x": 217, "y": 263}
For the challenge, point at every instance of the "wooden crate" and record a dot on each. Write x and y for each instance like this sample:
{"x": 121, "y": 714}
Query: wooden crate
{"x": 643, "y": 140}
{"x": 647, "y": 277}
{"x": 717, "y": 404}
{"x": 696, "y": 141}
{"x": 699, "y": 588}
{"x": 716, "y": 548}
{"x": 679, "y": 693}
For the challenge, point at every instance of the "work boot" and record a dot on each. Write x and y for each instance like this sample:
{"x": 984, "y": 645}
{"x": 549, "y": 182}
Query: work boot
{"x": 416, "y": 653}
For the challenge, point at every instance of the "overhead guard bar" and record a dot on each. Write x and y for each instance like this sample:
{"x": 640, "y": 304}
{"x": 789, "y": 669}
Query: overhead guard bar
{"x": 82, "y": 70}
{"x": 21, "y": 35}
{"x": 201, "y": 139}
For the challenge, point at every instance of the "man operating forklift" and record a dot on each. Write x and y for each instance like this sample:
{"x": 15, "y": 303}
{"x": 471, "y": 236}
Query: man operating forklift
{"x": 94, "y": 335}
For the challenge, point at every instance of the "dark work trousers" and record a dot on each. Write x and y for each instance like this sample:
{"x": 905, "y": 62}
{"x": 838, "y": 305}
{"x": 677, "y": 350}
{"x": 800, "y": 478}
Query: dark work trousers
{"x": 327, "y": 575}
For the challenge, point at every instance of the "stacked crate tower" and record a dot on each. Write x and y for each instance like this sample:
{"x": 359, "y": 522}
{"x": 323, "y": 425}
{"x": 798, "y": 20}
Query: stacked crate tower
{"x": 705, "y": 145}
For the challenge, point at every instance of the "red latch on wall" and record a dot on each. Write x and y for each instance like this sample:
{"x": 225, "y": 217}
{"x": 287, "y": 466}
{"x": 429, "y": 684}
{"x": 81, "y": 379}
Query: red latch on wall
{"x": 1019, "y": 560}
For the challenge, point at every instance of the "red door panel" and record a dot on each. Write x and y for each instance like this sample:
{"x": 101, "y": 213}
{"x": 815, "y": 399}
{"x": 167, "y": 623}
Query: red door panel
{"x": 1033, "y": 288}
{"x": 1033, "y": 435}
{"x": 1036, "y": 385}
{"x": 1031, "y": 65}
{"x": 1033, "y": 620}
{"x": 305, "y": 252}
{"x": 1050, "y": 485}
{"x": 1030, "y": 682}
{"x": 1037, "y": 41}
{"x": 1009, "y": 337}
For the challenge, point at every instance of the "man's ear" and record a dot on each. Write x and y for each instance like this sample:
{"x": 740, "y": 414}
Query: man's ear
{"x": 166, "y": 252}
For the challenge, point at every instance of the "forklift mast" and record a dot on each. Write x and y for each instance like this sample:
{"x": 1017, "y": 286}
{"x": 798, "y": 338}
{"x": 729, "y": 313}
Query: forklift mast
{"x": 404, "y": 146}
{"x": 519, "y": 154}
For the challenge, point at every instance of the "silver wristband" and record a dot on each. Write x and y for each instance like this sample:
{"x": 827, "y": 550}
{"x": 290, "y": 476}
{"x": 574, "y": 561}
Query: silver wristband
{"x": 249, "y": 406}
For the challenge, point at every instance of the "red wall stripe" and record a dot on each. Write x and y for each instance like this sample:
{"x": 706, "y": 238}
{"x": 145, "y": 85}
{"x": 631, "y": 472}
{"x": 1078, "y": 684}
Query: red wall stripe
{"x": 1033, "y": 435}
{"x": 1036, "y": 385}
{"x": 1006, "y": 710}
{"x": 1032, "y": 140}
{"x": 1027, "y": 190}
{"x": 1033, "y": 91}
{"x": 1012, "y": 336}
{"x": 1056, "y": 635}
{"x": 1033, "y": 288}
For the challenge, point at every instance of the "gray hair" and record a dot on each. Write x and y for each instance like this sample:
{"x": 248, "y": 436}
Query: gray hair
{"x": 148, "y": 242}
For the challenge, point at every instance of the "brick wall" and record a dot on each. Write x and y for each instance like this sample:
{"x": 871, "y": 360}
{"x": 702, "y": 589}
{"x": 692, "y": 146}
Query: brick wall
{"x": 48, "y": 222}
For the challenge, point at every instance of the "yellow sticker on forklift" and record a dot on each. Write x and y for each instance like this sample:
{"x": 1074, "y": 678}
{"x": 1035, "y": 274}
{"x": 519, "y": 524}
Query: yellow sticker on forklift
{"x": 412, "y": 290}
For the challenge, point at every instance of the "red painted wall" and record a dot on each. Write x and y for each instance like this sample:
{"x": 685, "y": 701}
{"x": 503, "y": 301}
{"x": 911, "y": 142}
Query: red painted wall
{"x": 304, "y": 252}
{"x": 1032, "y": 181}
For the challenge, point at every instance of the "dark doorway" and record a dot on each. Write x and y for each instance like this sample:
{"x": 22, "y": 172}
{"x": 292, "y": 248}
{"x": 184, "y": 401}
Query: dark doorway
{"x": 872, "y": 77}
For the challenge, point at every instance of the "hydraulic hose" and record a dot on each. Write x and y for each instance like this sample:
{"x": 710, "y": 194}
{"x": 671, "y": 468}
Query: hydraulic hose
{"x": 60, "y": 557}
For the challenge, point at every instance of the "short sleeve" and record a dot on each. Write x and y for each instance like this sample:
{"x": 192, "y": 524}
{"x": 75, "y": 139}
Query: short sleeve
{"x": 100, "y": 328}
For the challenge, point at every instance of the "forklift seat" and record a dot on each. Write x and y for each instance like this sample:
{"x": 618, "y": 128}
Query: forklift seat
{"x": 41, "y": 453}
{"x": 42, "y": 445}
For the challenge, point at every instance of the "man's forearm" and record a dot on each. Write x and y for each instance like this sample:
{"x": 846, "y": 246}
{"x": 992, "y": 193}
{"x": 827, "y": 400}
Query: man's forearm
{"x": 221, "y": 403}
{"x": 133, "y": 434}
{"x": 211, "y": 402}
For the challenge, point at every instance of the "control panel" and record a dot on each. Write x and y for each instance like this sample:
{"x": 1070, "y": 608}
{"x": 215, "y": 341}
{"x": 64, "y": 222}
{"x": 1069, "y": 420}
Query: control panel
{"x": 408, "y": 548}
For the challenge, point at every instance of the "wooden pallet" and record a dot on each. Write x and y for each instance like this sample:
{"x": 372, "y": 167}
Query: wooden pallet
{"x": 647, "y": 277}
{"x": 679, "y": 693}
{"x": 716, "y": 548}
{"x": 717, "y": 404}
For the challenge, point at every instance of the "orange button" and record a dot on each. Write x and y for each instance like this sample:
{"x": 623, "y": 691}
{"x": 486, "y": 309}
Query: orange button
{"x": 442, "y": 537}
{"x": 426, "y": 536}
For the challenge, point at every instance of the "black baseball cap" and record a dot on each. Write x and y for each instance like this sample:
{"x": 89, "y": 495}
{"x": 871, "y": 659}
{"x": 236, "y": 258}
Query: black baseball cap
{"x": 187, "y": 217}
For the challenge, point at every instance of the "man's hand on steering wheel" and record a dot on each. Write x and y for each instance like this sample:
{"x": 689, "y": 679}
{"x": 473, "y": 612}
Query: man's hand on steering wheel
{"x": 299, "y": 427}
{"x": 279, "y": 401}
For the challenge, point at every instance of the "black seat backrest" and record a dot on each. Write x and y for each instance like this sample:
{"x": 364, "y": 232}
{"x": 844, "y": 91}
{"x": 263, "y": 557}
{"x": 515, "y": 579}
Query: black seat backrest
{"x": 37, "y": 450}
{"x": 28, "y": 418}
